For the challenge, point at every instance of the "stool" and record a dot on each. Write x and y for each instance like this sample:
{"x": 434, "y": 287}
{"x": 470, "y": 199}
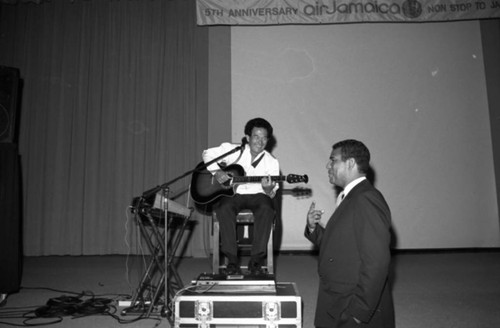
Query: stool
{"x": 244, "y": 218}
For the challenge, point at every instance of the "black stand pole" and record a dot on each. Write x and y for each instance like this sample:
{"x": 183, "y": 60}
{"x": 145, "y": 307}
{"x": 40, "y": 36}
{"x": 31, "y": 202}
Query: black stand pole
{"x": 153, "y": 191}
{"x": 158, "y": 242}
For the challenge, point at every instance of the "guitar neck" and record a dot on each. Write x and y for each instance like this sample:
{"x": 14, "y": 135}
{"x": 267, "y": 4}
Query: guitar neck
{"x": 245, "y": 179}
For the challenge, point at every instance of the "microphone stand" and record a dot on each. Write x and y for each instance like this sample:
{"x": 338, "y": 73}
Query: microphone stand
{"x": 137, "y": 204}
{"x": 153, "y": 191}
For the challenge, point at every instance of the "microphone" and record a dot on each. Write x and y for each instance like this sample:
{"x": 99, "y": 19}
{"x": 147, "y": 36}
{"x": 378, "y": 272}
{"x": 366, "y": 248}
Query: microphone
{"x": 244, "y": 141}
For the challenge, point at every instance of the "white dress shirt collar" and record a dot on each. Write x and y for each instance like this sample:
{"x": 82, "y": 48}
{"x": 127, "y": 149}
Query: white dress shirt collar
{"x": 352, "y": 184}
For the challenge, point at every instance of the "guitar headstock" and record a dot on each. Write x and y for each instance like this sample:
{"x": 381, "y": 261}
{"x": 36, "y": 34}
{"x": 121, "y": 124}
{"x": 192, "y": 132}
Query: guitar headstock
{"x": 299, "y": 192}
{"x": 295, "y": 178}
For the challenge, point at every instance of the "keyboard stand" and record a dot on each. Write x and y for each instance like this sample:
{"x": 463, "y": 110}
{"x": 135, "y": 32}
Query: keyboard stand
{"x": 162, "y": 232}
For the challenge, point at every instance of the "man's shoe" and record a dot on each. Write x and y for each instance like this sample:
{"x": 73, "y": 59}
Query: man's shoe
{"x": 232, "y": 269}
{"x": 255, "y": 268}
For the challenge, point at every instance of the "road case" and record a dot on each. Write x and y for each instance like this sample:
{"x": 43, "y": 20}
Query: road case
{"x": 238, "y": 305}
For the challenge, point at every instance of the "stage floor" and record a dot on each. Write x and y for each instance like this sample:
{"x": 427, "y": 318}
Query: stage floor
{"x": 431, "y": 289}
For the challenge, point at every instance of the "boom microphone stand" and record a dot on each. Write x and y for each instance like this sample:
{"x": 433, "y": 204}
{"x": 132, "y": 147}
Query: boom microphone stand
{"x": 153, "y": 191}
{"x": 140, "y": 207}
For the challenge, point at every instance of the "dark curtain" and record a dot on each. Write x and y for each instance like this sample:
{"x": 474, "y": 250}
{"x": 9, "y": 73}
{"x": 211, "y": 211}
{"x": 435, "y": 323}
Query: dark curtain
{"x": 110, "y": 107}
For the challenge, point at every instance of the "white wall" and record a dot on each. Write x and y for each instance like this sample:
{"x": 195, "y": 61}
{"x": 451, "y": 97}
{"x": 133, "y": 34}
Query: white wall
{"x": 413, "y": 93}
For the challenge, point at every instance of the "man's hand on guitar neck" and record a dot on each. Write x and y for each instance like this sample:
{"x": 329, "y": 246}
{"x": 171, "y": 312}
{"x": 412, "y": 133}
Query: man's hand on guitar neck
{"x": 268, "y": 185}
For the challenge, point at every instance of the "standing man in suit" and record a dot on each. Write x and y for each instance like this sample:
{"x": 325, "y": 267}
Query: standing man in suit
{"x": 354, "y": 246}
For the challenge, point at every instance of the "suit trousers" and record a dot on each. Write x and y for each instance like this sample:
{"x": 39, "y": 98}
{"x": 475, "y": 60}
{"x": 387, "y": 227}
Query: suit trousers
{"x": 262, "y": 207}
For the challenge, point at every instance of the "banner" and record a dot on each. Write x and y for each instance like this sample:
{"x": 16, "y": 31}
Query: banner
{"x": 279, "y": 12}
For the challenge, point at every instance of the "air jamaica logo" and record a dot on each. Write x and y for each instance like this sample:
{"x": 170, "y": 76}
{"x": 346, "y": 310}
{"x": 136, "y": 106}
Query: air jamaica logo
{"x": 412, "y": 8}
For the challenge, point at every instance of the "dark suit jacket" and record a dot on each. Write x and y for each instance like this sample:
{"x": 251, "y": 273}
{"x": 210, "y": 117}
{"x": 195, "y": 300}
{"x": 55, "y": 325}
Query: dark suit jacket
{"x": 354, "y": 262}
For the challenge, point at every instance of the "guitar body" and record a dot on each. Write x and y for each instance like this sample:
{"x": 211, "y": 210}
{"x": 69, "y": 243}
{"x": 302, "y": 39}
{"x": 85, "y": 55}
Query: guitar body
{"x": 204, "y": 187}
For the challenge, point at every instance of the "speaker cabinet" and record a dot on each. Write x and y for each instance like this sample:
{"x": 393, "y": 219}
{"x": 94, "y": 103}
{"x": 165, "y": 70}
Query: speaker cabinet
{"x": 10, "y": 219}
{"x": 9, "y": 87}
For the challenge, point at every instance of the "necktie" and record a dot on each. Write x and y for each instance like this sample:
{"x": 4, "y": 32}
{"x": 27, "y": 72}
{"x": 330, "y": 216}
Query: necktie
{"x": 340, "y": 198}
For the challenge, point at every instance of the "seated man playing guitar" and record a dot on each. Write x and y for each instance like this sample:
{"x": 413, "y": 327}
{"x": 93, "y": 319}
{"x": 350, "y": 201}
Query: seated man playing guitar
{"x": 255, "y": 161}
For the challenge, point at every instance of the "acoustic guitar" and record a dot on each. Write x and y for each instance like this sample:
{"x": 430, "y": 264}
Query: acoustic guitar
{"x": 205, "y": 188}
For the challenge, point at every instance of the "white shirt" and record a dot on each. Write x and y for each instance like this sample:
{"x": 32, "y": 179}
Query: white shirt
{"x": 352, "y": 184}
{"x": 268, "y": 165}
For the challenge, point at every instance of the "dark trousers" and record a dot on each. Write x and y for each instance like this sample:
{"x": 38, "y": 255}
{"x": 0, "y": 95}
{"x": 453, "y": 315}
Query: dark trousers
{"x": 263, "y": 210}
